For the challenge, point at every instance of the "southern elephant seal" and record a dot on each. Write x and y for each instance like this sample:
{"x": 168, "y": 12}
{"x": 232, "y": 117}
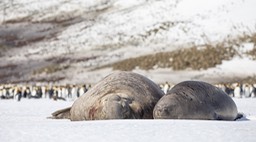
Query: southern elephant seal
{"x": 120, "y": 95}
{"x": 196, "y": 100}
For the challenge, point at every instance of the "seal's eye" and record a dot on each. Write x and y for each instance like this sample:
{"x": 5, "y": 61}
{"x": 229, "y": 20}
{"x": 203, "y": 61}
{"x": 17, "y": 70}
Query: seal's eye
{"x": 164, "y": 111}
{"x": 113, "y": 98}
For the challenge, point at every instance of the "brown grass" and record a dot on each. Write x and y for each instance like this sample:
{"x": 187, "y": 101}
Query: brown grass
{"x": 60, "y": 60}
{"x": 250, "y": 80}
{"x": 252, "y": 39}
{"x": 252, "y": 53}
{"x": 193, "y": 58}
{"x": 9, "y": 67}
{"x": 50, "y": 69}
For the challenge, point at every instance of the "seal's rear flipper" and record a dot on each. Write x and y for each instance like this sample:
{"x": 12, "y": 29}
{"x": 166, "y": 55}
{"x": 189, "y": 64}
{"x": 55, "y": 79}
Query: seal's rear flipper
{"x": 61, "y": 114}
{"x": 239, "y": 116}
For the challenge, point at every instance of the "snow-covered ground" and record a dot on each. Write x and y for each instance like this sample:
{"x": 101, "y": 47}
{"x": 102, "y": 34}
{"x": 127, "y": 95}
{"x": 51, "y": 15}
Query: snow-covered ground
{"x": 26, "y": 121}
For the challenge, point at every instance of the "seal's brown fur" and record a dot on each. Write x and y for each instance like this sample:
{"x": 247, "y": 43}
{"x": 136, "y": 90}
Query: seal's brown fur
{"x": 120, "y": 95}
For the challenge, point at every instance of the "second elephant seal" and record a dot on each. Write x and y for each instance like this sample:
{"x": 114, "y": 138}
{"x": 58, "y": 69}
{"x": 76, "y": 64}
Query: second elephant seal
{"x": 196, "y": 100}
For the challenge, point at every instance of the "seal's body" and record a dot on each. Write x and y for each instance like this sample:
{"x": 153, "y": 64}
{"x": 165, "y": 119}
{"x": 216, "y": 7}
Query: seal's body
{"x": 195, "y": 100}
{"x": 120, "y": 95}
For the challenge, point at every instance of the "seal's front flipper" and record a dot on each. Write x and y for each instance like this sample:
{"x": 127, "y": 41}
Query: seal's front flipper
{"x": 239, "y": 116}
{"x": 61, "y": 114}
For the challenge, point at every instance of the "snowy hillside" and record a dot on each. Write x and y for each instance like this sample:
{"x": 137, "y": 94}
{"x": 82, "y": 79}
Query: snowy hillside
{"x": 67, "y": 41}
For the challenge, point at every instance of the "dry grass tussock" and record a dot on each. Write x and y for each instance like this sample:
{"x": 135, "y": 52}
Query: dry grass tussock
{"x": 252, "y": 53}
{"x": 250, "y": 80}
{"x": 193, "y": 58}
{"x": 196, "y": 58}
{"x": 50, "y": 69}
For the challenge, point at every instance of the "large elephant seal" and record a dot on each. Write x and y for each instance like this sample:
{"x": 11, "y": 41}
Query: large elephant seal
{"x": 195, "y": 100}
{"x": 120, "y": 95}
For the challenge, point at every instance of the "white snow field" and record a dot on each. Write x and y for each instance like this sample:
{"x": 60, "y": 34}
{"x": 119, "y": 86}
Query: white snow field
{"x": 26, "y": 121}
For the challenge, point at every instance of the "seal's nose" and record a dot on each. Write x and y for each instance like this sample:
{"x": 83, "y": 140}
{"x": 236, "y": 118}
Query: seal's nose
{"x": 156, "y": 113}
{"x": 160, "y": 112}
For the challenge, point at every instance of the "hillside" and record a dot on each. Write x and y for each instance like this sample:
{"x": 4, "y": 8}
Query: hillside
{"x": 83, "y": 40}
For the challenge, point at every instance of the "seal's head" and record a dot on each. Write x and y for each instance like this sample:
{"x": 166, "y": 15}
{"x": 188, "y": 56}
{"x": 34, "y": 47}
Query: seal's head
{"x": 168, "y": 107}
{"x": 114, "y": 106}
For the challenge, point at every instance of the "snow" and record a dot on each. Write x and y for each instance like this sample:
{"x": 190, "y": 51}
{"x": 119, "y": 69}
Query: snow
{"x": 128, "y": 23}
{"x": 26, "y": 121}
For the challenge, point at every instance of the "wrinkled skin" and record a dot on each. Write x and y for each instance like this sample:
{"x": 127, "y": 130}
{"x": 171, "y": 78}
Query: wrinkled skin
{"x": 120, "y": 95}
{"x": 195, "y": 100}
